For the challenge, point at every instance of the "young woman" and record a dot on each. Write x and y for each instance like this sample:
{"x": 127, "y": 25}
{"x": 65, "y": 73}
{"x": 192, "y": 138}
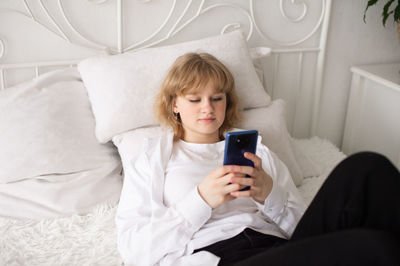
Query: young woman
{"x": 180, "y": 206}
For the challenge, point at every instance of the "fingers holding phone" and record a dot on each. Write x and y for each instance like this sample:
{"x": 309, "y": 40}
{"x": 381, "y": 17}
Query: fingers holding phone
{"x": 254, "y": 158}
{"x": 260, "y": 182}
{"x": 241, "y": 175}
{"x": 216, "y": 187}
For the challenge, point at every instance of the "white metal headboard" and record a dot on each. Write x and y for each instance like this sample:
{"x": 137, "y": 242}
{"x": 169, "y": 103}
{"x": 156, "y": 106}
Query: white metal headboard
{"x": 296, "y": 30}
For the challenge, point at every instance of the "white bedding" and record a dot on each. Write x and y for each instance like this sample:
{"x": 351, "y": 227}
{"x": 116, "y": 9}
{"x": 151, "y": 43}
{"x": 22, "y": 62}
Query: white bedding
{"x": 51, "y": 163}
{"x": 91, "y": 239}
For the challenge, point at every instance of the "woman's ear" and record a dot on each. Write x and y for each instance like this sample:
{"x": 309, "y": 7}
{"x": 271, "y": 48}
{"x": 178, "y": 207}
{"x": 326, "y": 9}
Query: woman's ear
{"x": 174, "y": 107}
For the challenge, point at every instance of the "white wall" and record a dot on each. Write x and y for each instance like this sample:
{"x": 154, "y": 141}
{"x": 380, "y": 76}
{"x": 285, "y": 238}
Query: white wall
{"x": 351, "y": 42}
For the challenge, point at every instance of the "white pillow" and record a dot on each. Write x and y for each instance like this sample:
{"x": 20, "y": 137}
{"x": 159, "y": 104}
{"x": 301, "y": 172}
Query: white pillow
{"x": 122, "y": 88}
{"x": 269, "y": 121}
{"x": 47, "y": 140}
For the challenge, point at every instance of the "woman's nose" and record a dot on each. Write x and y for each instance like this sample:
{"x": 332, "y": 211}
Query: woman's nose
{"x": 207, "y": 105}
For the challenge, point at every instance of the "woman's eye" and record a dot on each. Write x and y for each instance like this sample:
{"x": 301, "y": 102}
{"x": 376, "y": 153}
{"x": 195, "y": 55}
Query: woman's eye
{"x": 194, "y": 100}
{"x": 217, "y": 99}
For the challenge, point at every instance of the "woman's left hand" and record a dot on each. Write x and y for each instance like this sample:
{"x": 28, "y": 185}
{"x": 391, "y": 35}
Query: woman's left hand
{"x": 260, "y": 182}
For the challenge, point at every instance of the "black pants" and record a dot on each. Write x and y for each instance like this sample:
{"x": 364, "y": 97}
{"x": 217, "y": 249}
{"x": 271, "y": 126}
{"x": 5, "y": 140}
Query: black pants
{"x": 353, "y": 220}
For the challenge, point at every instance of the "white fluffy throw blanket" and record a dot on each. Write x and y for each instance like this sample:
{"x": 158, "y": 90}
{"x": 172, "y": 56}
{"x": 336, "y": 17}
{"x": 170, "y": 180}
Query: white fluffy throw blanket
{"x": 91, "y": 239}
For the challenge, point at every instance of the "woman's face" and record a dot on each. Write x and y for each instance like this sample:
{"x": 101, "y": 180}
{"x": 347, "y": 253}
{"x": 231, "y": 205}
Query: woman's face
{"x": 202, "y": 114}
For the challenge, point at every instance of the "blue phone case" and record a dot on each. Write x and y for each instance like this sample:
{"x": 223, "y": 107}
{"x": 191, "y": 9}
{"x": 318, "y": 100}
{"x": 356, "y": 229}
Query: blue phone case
{"x": 236, "y": 144}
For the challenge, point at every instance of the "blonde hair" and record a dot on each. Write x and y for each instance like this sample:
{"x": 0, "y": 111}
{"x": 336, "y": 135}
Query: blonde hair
{"x": 188, "y": 74}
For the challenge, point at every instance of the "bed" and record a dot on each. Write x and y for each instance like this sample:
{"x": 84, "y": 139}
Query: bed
{"x": 72, "y": 73}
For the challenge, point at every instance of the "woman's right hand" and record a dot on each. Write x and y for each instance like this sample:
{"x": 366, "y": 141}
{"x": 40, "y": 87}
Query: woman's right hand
{"x": 216, "y": 187}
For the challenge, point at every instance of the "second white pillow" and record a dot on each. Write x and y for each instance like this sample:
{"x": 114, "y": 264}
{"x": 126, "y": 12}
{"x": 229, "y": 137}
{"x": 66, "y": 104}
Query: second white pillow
{"x": 271, "y": 123}
{"x": 122, "y": 88}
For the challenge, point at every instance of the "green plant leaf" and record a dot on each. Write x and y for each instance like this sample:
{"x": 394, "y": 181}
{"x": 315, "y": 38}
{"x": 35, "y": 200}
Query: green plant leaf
{"x": 386, "y": 13}
{"x": 370, "y": 3}
{"x": 387, "y": 6}
{"x": 396, "y": 15}
{"x": 385, "y": 17}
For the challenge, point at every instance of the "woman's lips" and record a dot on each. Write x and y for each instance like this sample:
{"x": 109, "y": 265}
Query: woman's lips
{"x": 207, "y": 120}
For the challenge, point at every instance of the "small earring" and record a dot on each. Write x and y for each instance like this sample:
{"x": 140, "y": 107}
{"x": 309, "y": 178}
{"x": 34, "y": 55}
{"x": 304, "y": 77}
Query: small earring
{"x": 177, "y": 116}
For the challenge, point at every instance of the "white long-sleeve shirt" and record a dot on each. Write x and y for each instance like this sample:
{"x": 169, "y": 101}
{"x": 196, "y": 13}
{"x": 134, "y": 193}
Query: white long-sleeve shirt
{"x": 156, "y": 228}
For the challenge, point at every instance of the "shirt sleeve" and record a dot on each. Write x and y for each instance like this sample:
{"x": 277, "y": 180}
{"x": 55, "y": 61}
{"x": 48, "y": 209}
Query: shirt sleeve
{"x": 284, "y": 206}
{"x": 150, "y": 233}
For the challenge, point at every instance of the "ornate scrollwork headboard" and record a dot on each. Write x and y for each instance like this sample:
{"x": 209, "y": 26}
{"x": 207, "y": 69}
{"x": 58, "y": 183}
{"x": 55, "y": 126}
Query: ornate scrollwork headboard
{"x": 36, "y": 36}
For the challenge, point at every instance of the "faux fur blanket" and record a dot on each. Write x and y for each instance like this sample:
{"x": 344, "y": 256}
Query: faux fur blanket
{"x": 91, "y": 239}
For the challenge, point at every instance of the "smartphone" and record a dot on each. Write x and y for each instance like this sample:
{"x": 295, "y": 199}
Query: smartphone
{"x": 236, "y": 144}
